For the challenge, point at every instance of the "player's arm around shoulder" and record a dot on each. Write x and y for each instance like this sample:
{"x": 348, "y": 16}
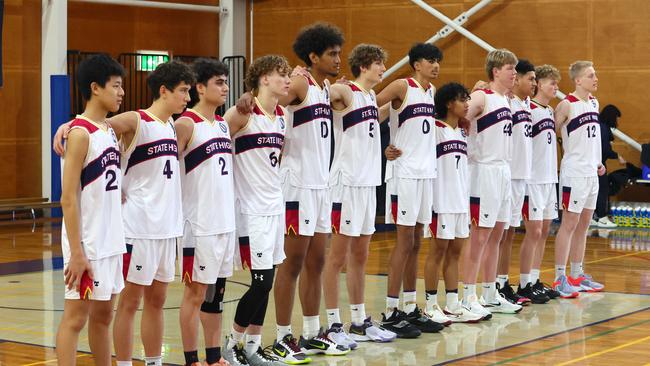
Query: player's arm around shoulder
{"x": 340, "y": 96}
{"x": 184, "y": 129}
{"x": 476, "y": 104}
{"x": 125, "y": 126}
{"x": 561, "y": 115}
{"x": 236, "y": 120}
{"x": 297, "y": 91}
{"x": 394, "y": 93}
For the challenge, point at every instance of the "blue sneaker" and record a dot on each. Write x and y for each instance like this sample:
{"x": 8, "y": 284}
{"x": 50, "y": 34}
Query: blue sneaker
{"x": 589, "y": 281}
{"x": 566, "y": 290}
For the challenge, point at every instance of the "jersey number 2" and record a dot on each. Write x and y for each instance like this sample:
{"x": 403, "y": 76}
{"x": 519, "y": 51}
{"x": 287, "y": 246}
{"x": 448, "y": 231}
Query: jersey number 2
{"x": 112, "y": 177}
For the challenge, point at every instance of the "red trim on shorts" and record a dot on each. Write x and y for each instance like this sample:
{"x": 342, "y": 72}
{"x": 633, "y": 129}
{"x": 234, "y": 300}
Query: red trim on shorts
{"x": 126, "y": 261}
{"x": 393, "y": 207}
{"x": 336, "y": 217}
{"x": 525, "y": 208}
{"x": 475, "y": 210}
{"x": 566, "y": 197}
{"x": 86, "y": 287}
{"x": 433, "y": 226}
{"x": 292, "y": 217}
{"x": 245, "y": 252}
{"x": 188, "y": 265}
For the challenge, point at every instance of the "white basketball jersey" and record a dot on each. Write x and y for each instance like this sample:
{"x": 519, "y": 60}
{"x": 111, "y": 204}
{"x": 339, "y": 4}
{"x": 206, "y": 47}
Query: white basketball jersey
{"x": 152, "y": 183}
{"x": 308, "y": 143}
{"x": 490, "y": 135}
{"x": 357, "y": 141}
{"x": 411, "y": 131}
{"x": 207, "y": 177}
{"x": 544, "y": 169}
{"x": 258, "y": 145}
{"x": 522, "y": 146}
{"x": 581, "y": 139}
{"x": 451, "y": 187}
{"x": 100, "y": 205}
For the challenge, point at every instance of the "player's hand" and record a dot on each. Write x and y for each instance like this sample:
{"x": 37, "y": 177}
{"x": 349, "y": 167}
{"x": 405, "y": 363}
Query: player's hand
{"x": 343, "y": 81}
{"x": 621, "y": 160}
{"x": 245, "y": 103}
{"x": 464, "y": 124}
{"x": 61, "y": 134}
{"x": 392, "y": 152}
{"x": 74, "y": 271}
{"x": 601, "y": 170}
{"x": 480, "y": 85}
{"x": 300, "y": 71}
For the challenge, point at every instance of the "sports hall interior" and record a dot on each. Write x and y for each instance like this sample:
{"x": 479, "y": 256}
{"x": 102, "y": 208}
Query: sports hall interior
{"x": 612, "y": 327}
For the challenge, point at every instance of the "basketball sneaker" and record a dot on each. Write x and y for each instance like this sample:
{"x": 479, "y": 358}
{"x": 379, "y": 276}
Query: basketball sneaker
{"x": 235, "y": 356}
{"x": 548, "y": 290}
{"x": 322, "y": 344}
{"x": 289, "y": 352}
{"x": 472, "y": 305}
{"x": 339, "y": 336}
{"x": 535, "y": 296}
{"x": 438, "y": 316}
{"x": 502, "y": 305}
{"x": 422, "y": 322}
{"x": 398, "y": 324}
{"x": 565, "y": 289}
{"x": 509, "y": 294}
{"x": 585, "y": 283}
{"x": 369, "y": 331}
{"x": 462, "y": 315}
{"x": 264, "y": 357}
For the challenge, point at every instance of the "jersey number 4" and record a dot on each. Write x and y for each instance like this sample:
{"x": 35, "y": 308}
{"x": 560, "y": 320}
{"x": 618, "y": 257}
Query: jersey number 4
{"x": 167, "y": 170}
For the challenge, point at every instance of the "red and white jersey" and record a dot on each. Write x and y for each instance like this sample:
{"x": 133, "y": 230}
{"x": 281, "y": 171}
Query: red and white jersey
{"x": 544, "y": 169}
{"x": 581, "y": 138}
{"x": 522, "y": 144}
{"x": 152, "y": 184}
{"x": 258, "y": 188}
{"x": 100, "y": 205}
{"x": 308, "y": 143}
{"x": 207, "y": 177}
{"x": 411, "y": 131}
{"x": 451, "y": 187}
{"x": 490, "y": 135}
{"x": 357, "y": 141}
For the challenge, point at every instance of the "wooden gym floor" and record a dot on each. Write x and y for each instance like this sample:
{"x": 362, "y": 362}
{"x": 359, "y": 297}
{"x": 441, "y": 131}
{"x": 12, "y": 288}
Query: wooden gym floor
{"x": 595, "y": 329}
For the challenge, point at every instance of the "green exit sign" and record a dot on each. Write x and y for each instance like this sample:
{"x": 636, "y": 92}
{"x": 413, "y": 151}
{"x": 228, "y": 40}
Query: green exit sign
{"x": 149, "y": 62}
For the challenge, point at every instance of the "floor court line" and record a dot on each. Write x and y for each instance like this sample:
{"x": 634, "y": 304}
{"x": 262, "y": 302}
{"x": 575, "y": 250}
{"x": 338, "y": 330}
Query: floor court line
{"x": 50, "y": 361}
{"x": 591, "y": 355}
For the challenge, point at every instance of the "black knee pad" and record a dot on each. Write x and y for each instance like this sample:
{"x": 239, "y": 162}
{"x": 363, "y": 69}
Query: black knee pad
{"x": 262, "y": 281}
{"x": 213, "y": 303}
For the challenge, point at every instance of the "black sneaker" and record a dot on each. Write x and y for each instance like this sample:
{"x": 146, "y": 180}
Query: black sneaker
{"x": 511, "y": 295}
{"x": 535, "y": 296}
{"x": 552, "y": 294}
{"x": 398, "y": 324}
{"x": 423, "y": 323}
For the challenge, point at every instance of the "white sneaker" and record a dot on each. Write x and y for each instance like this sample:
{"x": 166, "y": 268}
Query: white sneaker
{"x": 369, "y": 331}
{"x": 502, "y": 305}
{"x": 438, "y": 316}
{"x": 462, "y": 315}
{"x": 593, "y": 222}
{"x": 606, "y": 222}
{"x": 339, "y": 336}
{"x": 472, "y": 305}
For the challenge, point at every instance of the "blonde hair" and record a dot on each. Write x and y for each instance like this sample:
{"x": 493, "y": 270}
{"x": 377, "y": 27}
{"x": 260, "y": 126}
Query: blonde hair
{"x": 547, "y": 72}
{"x": 263, "y": 66}
{"x": 498, "y": 58}
{"x": 578, "y": 67}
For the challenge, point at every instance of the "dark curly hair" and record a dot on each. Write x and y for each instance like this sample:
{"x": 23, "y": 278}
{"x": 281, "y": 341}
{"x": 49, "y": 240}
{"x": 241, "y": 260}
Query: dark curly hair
{"x": 426, "y": 51}
{"x": 263, "y": 66}
{"x": 97, "y": 69}
{"x": 364, "y": 55}
{"x": 169, "y": 74}
{"x": 316, "y": 38}
{"x": 524, "y": 66}
{"x": 609, "y": 115}
{"x": 448, "y": 93}
{"x": 204, "y": 70}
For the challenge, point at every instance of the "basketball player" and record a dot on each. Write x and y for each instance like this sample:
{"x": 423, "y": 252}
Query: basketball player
{"x": 208, "y": 207}
{"x": 489, "y": 150}
{"x": 540, "y": 203}
{"x": 258, "y": 137}
{"x": 409, "y": 179}
{"x": 520, "y": 167}
{"x": 92, "y": 237}
{"x": 151, "y": 171}
{"x": 577, "y": 119}
{"x": 354, "y": 176}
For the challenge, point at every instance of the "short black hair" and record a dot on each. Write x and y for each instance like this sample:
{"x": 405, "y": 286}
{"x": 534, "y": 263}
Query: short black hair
{"x": 204, "y": 70}
{"x": 447, "y": 93}
{"x": 169, "y": 74}
{"x": 524, "y": 67}
{"x": 425, "y": 51}
{"x": 609, "y": 115}
{"x": 316, "y": 38}
{"x": 98, "y": 68}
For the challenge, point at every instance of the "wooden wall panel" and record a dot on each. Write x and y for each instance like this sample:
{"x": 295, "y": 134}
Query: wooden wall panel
{"x": 20, "y": 101}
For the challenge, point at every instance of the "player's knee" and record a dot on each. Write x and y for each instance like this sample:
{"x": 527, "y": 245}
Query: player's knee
{"x": 337, "y": 260}
{"x": 262, "y": 281}
{"x": 293, "y": 266}
{"x": 75, "y": 322}
{"x": 215, "y": 305}
{"x": 155, "y": 299}
{"x": 102, "y": 317}
{"x": 314, "y": 265}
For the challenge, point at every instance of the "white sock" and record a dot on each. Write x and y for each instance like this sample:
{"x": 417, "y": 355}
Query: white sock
{"x": 560, "y": 271}
{"x": 358, "y": 313}
{"x": 391, "y": 303}
{"x": 235, "y": 337}
{"x": 310, "y": 326}
{"x": 489, "y": 291}
{"x": 524, "y": 279}
{"x": 468, "y": 290}
{"x": 452, "y": 301}
{"x": 534, "y": 275}
{"x": 281, "y": 331}
{"x": 576, "y": 269}
{"x": 410, "y": 299}
{"x": 333, "y": 316}
{"x": 253, "y": 342}
{"x": 153, "y": 361}
{"x": 502, "y": 279}
{"x": 432, "y": 301}
{"x": 124, "y": 363}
